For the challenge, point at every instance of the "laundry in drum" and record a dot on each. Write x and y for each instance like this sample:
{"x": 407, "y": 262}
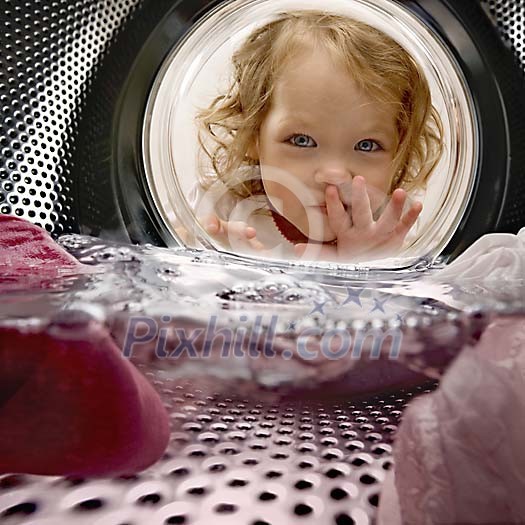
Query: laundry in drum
{"x": 262, "y": 261}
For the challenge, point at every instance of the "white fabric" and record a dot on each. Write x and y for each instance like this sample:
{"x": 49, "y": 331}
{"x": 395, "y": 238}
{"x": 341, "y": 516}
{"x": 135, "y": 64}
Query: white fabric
{"x": 495, "y": 257}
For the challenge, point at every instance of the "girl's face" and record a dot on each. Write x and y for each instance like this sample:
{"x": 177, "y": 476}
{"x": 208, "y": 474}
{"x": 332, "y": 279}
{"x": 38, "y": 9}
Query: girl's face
{"x": 322, "y": 129}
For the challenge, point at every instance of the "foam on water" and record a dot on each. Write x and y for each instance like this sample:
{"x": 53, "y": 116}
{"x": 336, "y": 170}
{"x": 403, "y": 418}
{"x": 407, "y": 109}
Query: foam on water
{"x": 186, "y": 312}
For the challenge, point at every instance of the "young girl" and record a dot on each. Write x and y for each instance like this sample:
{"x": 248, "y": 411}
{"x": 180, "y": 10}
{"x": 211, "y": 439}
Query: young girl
{"x": 326, "y": 128}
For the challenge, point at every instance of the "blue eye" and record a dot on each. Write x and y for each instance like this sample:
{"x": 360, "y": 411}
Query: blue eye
{"x": 302, "y": 141}
{"x": 367, "y": 145}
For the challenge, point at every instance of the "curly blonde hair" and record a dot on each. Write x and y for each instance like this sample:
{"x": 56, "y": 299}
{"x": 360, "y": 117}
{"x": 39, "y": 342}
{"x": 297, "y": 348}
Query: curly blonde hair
{"x": 376, "y": 62}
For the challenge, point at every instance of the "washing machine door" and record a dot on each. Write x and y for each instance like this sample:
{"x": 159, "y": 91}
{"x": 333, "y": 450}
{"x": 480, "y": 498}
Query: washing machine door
{"x": 129, "y": 156}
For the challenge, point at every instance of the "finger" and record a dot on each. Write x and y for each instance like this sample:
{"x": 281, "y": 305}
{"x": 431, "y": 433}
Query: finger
{"x": 409, "y": 219}
{"x": 338, "y": 217}
{"x": 394, "y": 240}
{"x": 315, "y": 252}
{"x": 361, "y": 209}
{"x": 345, "y": 192}
{"x": 237, "y": 229}
{"x": 212, "y": 224}
{"x": 256, "y": 244}
{"x": 250, "y": 232}
{"x": 300, "y": 249}
{"x": 393, "y": 211}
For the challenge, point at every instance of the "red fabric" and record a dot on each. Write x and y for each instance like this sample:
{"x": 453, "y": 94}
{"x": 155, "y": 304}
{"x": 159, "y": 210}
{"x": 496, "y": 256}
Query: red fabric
{"x": 26, "y": 248}
{"x": 75, "y": 406}
{"x": 30, "y": 259}
{"x": 70, "y": 403}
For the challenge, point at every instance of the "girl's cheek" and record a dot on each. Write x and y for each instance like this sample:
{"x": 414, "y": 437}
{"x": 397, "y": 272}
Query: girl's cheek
{"x": 380, "y": 177}
{"x": 302, "y": 163}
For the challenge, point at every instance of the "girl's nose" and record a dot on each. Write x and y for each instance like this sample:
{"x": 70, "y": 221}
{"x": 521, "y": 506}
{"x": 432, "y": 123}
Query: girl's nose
{"x": 335, "y": 175}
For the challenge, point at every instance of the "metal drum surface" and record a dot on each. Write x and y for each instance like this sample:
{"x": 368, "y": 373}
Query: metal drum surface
{"x": 63, "y": 66}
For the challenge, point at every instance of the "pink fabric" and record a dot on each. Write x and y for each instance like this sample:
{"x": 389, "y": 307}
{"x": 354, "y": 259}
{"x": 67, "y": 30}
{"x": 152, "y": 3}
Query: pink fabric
{"x": 459, "y": 454}
{"x": 70, "y": 404}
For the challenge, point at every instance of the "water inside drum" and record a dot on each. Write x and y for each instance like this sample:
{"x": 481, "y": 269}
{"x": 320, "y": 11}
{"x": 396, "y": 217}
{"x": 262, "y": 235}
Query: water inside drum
{"x": 249, "y": 443}
{"x": 231, "y": 459}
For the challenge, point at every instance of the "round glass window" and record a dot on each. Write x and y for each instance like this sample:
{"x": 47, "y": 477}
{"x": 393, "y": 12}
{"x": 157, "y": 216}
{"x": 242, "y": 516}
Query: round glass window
{"x": 278, "y": 132}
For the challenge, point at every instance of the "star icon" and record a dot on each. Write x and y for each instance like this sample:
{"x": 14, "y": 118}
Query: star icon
{"x": 399, "y": 318}
{"x": 318, "y": 308}
{"x": 379, "y": 305}
{"x": 291, "y": 326}
{"x": 353, "y": 296}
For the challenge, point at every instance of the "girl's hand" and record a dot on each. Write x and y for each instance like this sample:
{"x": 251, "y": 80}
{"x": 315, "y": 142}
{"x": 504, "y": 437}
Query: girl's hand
{"x": 358, "y": 236}
{"x": 233, "y": 234}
